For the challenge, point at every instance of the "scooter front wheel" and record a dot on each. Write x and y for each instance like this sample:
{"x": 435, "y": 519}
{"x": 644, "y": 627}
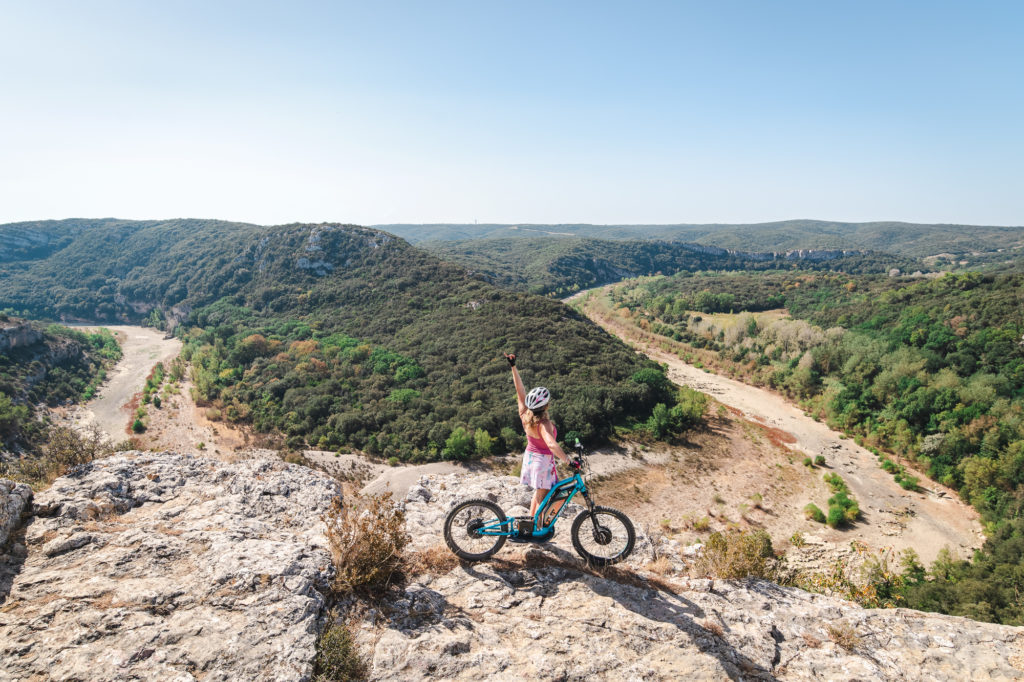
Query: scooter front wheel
{"x": 603, "y": 537}
{"x": 463, "y": 529}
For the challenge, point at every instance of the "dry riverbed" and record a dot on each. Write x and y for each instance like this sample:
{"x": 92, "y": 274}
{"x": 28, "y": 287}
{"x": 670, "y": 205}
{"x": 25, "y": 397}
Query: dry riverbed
{"x": 141, "y": 348}
{"x": 926, "y": 521}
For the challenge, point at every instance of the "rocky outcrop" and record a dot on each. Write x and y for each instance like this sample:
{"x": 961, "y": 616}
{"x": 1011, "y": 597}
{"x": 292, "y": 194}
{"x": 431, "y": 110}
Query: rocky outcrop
{"x": 792, "y": 254}
{"x": 14, "y": 497}
{"x": 170, "y": 567}
{"x": 18, "y": 335}
{"x": 537, "y": 613}
{"x": 163, "y": 566}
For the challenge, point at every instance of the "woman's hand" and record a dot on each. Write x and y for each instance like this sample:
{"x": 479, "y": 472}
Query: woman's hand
{"x": 511, "y": 359}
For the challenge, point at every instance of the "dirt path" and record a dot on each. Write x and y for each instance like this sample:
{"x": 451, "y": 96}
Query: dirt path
{"x": 141, "y": 348}
{"x": 927, "y": 521}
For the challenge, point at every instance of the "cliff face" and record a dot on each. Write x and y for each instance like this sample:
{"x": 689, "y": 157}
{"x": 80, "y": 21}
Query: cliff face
{"x": 18, "y": 335}
{"x": 14, "y": 498}
{"x": 163, "y": 566}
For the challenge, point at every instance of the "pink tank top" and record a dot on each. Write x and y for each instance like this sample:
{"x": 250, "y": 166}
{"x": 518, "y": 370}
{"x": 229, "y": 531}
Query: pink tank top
{"x": 538, "y": 445}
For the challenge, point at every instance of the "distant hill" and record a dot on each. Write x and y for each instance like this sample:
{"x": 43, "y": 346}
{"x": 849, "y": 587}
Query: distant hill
{"x": 333, "y": 335}
{"x": 565, "y": 265}
{"x": 912, "y": 240}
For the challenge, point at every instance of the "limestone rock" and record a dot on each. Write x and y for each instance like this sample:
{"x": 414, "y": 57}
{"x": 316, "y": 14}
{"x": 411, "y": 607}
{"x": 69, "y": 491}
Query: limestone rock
{"x": 170, "y": 567}
{"x": 14, "y": 498}
{"x": 539, "y": 613}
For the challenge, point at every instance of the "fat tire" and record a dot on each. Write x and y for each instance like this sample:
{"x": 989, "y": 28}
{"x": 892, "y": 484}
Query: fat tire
{"x": 584, "y": 517}
{"x": 454, "y": 547}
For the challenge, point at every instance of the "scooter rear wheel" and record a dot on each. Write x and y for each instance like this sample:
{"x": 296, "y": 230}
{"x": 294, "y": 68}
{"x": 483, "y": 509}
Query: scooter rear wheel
{"x": 462, "y": 529}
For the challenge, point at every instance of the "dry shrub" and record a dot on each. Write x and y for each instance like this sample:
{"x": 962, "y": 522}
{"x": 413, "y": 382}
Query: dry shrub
{"x": 66, "y": 449}
{"x": 778, "y": 437}
{"x": 811, "y": 641}
{"x": 337, "y": 657}
{"x": 661, "y": 565}
{"x": 737, "y": 554}
{"x": 296, "y": 457}
{"x": 133, "y": 443}
{"x": 436, "y": 560}
{"x": 844, "y": 635}
{"x": 366, "y": 540}
{"x": 712, "y": 627}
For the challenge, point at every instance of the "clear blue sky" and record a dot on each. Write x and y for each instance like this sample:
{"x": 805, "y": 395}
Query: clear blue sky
{"x": 627, "y": 112}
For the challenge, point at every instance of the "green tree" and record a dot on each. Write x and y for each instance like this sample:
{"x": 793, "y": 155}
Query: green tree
{"x": 459, "y": 445}
{"x": 483, "y": 442}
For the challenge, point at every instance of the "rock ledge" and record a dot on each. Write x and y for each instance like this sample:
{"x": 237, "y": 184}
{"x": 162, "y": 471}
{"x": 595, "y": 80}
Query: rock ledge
{"x": 170, "y": 567}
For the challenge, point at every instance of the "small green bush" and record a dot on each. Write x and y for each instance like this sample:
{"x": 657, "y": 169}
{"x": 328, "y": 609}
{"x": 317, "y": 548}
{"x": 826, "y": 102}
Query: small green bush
{"x": 337, "y": 658}
{"x": 836, "y": 482}
{"x": 813, "y": 513}
{"x": 808, "y": 462}
{"x": 512, "y": 440}
{"x": 138, "y": 426}
{"x": 841, "y": 507}
{"x": 909, "y": 482}
{"x": 819, "y": 460}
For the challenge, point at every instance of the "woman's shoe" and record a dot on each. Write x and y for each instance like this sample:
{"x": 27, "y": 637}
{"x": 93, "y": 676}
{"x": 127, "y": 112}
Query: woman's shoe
{"x": 544, "y": 537}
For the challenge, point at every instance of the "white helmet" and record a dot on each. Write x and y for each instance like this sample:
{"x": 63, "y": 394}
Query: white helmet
{"x": 538, "y": 398}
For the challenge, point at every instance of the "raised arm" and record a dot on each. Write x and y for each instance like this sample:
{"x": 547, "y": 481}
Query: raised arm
{"x": 520, "y": 391}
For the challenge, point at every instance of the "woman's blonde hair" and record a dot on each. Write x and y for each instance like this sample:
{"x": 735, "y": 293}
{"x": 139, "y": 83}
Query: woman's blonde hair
{"x": 537, "y": 417}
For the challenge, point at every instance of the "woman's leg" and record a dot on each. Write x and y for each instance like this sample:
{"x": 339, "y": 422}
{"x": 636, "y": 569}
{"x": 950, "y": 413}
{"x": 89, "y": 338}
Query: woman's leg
{"x": 538, "y": 496}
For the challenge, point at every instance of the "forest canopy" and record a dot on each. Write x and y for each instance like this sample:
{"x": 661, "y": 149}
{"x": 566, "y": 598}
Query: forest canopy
{"x": 926, "y": 371}
{"x": 336, "y": 335}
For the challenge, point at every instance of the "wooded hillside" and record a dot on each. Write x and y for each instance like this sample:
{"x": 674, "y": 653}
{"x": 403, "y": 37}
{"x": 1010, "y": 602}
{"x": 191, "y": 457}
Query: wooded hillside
{"x": 337, "y": 335}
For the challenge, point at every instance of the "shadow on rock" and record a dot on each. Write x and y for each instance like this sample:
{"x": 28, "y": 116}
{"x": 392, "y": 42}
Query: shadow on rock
{"x": 543, "y": 572}
{"x": 12, "y": 559}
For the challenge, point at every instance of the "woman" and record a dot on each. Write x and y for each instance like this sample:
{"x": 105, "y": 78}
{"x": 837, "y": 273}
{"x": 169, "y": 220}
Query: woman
{"x": 538, "y": 469}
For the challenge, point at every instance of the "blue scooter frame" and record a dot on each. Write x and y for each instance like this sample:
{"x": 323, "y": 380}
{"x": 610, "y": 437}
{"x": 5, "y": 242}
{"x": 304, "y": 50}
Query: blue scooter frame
{"x": 601, "y": 535}
{"x": 506, "y": 527}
